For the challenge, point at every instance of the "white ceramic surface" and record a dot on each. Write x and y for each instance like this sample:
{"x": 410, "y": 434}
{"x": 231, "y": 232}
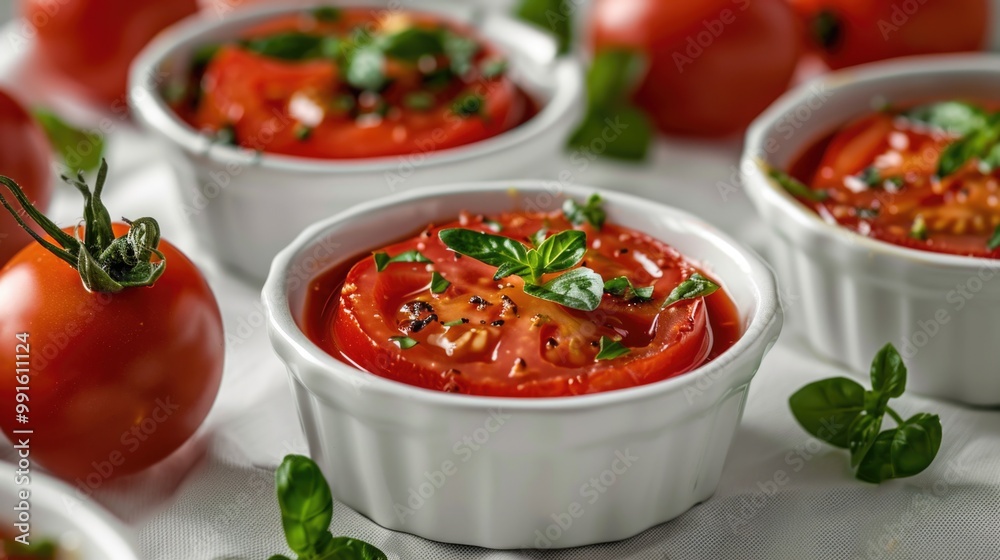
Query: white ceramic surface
{"x": 57, "y": 512}
{"x": 853, "y": 294}
{"x": 247, "y": 206}
{"x": 518, "y": 473}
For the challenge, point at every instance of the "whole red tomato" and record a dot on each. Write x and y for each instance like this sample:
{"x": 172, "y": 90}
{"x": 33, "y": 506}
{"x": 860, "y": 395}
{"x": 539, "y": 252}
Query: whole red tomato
{"x": 849, "y": 32}
{"x": 714, "y": 65}
{"x": 24, "y": 156}
{"x": 116, "y": 381}
{"x": 92, "y": 42}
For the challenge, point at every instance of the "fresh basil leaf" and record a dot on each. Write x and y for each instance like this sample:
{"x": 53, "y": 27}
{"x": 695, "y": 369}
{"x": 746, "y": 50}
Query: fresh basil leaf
{"x": 290, "y": 45}
{"x": 580, "y": 288}
{"x": 955, "y": 117}
{"x": 511, "y": 269}
{"x": 994, "y": 242}
{"x": 622, "y": 287}
{"x": 203, "y": 55}
{"x": 419, "y": 101}
{"x": 492, "y": 69}
{"x": 382, "y": 260}
{"x": 918, "y": 230}
{"x": 864, "y": 430}
{"x": 344, "y": 548}
{"x": 412, "y": 44}
{"x": 562, "y": 251}
{"x": 494, "y": 250}
{"x": 695, "y": 286}
{"x": 592, "y": 212}
{"x": 306, "y": 503}
{"x": 612, "y": 77}
{"x": 888, "y": 372}
{"x": 978, "y": 143}
{"x": 279, "y": 557}
{"x": 438, "y": 283}
{"x": 795, "y": 187}
{"x": 327, "y": 13}
{"x": 404, "y": 342}
{"x": 611, "y": 349}
{"x": 553, "y": 16}
{"x": 876, "y": 465}
{"x": 79, "y": 151}
{"x": 469, "y": 105}
{"x": 915, "y": 445}
{"x": 904, "y": 451}
{"x": 460, "y": 51}
{"x": 366, "y": 68}
{"x": 538, "y": 237}
{"x": 631, "y": 128}
{"x": 826, "y": 409}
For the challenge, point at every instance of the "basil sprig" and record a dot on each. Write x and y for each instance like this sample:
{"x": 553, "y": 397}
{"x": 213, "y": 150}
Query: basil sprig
{"x": 610, "y": 113}
{"x": 306, "y": 512}
{"x": 383, "y": 260}
{"x": 842, "y": 413}
{"x": 955, "y": 117}
{"x": 553, "y": 16}
{"x": 581, "y": 288}
{"x": 611, "y": 349}
{"x": 592, "y": 212}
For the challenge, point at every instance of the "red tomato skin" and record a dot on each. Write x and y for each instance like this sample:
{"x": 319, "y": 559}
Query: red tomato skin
{"x": 873, "y": 30}
{"x": 713, "y": 66}
{"x": 118, "y": 381}
{"x": 93, "y": 42}
{"x": 25, "y": 158}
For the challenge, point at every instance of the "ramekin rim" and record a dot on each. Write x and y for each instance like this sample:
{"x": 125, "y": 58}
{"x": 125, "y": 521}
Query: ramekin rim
{"x": 757, "y": 136}
{"x": 151, "y": 109}
{"x": 766, "y": 317}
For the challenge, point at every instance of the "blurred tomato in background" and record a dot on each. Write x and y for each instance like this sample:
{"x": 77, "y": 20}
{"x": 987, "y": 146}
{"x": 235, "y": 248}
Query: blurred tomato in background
{"x": 24, "y": 156}
{"x": 714, "y": 65}
{"x": 93, "y": 42}
{"x": 850, "y": 32}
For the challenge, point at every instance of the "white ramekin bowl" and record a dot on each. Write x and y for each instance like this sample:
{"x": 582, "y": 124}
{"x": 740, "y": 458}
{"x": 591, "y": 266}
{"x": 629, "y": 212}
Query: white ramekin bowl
{"x": 852, "y": 294}
{"x": 246, "y": 205}
{"x": 517, "y": 473}
{"x": 55, "y": 511}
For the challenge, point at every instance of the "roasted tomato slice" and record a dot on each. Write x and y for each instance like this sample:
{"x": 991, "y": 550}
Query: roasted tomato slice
{"x": 485, "y": 337}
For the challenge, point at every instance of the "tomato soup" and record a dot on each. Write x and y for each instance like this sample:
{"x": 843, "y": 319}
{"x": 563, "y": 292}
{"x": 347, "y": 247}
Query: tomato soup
{"x": 421, "y": 312}
{"x": 352, "y": 83}
{"x": 924, "y": 177}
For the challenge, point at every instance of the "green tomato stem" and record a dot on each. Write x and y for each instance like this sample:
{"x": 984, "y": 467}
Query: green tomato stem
{"x": 106, "y": 264}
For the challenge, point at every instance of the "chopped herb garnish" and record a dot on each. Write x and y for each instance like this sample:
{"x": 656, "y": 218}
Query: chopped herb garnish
{"x": 795, "y": 187}
{"x": 326, "y": 13}
{"x": 611, "y": 349}
{"x": 438, "y": 283}
{"x": 419, "y": 101}
{"x": 404, "y": 342}
{"x": 290, "y": 45}
{"x": 302, "y": 132}
{"x": 460, "y": 52}
{"x": 592, "y": 212}
{"x": 955, "y": 117}
{"x": 226, "y": 135}
{"x": 412, "y": 44}
{"x": 695, "y": 286}
{"x": 495, "y": 68}
{"x": 919, "y": 229}
{"x": 366, "y": 68}
{"x": 622, "y": 287}
{"x": 383, "y": 260}
{"x": 994, "y": 242}
{"x": 461, "y": 321}
{"x": 469, "y": 105}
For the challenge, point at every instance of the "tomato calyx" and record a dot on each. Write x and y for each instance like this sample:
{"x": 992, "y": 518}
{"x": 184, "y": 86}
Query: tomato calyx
{"x": 106, "y": 264}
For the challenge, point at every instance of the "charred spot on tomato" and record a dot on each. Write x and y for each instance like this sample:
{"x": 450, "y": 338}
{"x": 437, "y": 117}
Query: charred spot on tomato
{"x": 497, "y": 323}
{"x": 479, "y": 302}
{"x": 508, "y": 305}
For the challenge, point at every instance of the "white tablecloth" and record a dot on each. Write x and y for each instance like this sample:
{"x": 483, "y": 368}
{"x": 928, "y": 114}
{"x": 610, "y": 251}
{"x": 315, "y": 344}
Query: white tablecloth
{"x": 782, "y": 494}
